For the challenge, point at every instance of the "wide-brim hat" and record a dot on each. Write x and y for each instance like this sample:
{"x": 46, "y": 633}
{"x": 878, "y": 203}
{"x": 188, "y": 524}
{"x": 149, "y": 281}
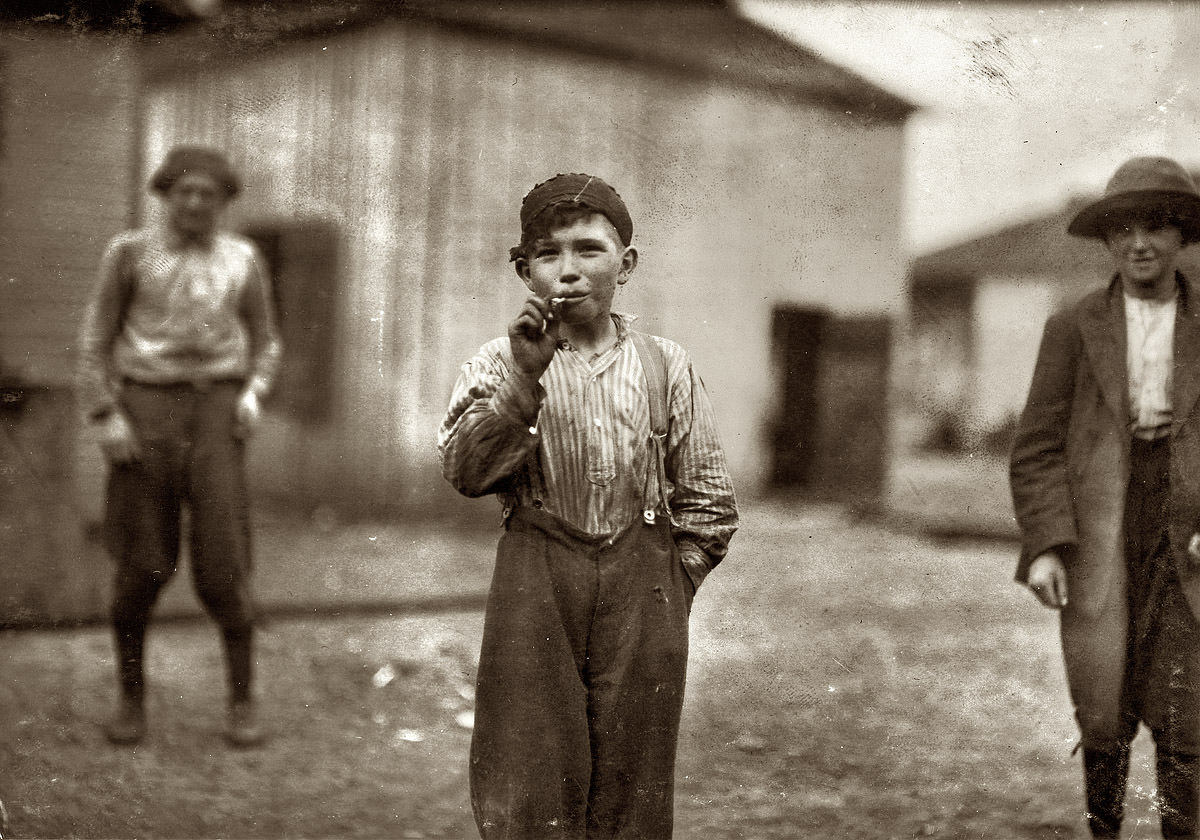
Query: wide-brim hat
{"x": 1139, "y": 185}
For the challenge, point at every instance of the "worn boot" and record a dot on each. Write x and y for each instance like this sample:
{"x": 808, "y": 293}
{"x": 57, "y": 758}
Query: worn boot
{"x": 244, "y": 728}
{"x": 128, "y": 726}
{"x": 1105, "y": 775}
{"x": 1178, "y": 794}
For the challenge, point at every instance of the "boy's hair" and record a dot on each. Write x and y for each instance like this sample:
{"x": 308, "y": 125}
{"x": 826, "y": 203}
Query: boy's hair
{"x": 560, "y": 215}
{"x": 182, "y": 160}
{"x": 543, "y": 207}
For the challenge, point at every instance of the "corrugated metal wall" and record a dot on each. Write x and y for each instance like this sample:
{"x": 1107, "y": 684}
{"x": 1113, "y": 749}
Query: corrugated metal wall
{"x": 419, "y": 144}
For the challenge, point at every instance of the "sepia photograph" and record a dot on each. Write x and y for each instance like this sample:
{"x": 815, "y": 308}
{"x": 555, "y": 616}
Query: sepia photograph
{"x": 723, "y": 419}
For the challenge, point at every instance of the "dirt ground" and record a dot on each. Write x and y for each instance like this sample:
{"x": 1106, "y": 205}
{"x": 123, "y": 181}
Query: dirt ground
{"x": 847, "y": 680}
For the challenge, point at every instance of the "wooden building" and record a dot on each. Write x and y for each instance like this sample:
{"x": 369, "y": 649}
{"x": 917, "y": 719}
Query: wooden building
{"x": 68, "y": 159}
{"x": 385, "y": 149}
{"x": 385, "y": 159}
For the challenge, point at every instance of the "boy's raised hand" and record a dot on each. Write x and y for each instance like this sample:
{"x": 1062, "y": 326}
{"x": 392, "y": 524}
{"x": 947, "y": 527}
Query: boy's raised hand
{"x": 533, "y": 335}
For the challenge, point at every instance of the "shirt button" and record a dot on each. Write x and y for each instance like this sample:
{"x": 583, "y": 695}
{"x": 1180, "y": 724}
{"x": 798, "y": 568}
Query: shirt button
{"x": 597, "y": 422}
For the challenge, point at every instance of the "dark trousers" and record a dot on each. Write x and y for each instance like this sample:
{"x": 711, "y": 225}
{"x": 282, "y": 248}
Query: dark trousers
{"x": 580, "y": 683}
{"x": 1162, "y": 676}
{"x": 190, "y": 459}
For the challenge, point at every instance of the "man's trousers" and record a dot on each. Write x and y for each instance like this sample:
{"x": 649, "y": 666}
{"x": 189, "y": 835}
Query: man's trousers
{"x": 190, "y": 457}
{"x": 580, "y": 683}
{"x": 1160, "y": 683}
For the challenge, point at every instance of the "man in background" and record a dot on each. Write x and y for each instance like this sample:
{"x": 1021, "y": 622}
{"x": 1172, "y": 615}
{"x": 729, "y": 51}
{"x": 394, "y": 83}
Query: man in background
{"x": 178, "y": 347}
{"x": 1106, "y": 487}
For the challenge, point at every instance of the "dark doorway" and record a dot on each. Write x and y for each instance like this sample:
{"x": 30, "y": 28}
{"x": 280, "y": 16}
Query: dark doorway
{"x": 302, "y": 258}
{"x": 796, "y": 337}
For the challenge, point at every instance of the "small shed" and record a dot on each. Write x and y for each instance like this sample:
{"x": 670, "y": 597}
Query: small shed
{"x": 386, "y": 147}
{"x": 386, "y": 153}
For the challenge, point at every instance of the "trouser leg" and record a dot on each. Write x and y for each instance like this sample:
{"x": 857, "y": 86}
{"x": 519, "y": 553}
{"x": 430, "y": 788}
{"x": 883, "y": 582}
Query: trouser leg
{"x": 220, "y": 530}
{"x": 1106, "y": 774}
{"x": 530, "y": 759}
{"x": 636, "y": 675}
{"x": 142, "y": 536}
{"x": 1178, "y": 793}
{"x": 1173, "y": 711}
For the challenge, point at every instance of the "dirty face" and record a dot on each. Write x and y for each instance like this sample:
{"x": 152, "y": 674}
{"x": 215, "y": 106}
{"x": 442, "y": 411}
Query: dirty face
{"x": 194, "y": 204}
{"x": 1145, "y": 252}
{"x": 583, "y": 263}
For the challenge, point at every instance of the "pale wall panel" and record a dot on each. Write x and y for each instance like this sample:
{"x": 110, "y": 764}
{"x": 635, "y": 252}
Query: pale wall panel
{"x": 65, "y": 166}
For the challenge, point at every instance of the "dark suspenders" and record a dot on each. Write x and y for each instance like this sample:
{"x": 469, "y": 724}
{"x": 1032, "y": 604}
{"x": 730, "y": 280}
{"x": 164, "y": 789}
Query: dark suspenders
{"x": 655, "y": 369}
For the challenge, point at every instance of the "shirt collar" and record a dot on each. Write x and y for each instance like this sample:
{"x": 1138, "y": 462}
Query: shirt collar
{"x": 624, "y": 322}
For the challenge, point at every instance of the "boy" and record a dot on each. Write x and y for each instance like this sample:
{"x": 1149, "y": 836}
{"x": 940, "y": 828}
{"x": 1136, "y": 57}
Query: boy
{"x": 1104, "y": 480}
{"x": 178, "y": 346}
{"x": 610, "y": 528}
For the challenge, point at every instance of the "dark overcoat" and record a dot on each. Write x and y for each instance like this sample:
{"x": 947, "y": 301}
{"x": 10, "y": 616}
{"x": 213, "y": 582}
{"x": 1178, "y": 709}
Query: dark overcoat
{"x": 1069, "y": 472}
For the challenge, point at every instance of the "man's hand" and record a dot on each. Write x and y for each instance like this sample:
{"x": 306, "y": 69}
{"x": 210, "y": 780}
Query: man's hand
{"x": 117, "y": 441}
{"x": 533, "y": 335}
{"x": 1048, "y": 579}
{"x": 247, "y": 414}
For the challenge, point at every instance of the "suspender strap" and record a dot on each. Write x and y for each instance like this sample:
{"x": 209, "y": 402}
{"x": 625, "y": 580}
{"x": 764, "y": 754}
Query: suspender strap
{"x": 655, "y": 369}
{"x": 656, "y": 379}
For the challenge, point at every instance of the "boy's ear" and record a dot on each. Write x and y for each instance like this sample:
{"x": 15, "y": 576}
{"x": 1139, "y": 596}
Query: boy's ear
{"x": 629, "y": 260}
{"x": 521, "y": 266}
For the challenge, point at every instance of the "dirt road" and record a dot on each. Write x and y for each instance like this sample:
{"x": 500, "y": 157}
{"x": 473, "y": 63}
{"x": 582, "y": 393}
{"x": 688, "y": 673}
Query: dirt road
{"x": 847, "y": 681}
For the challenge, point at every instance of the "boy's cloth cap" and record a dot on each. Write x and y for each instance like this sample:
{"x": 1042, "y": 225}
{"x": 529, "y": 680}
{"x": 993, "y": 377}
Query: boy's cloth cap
{"x": 1138, "y": 185}
{"x": 184, "y": 159}
{"x": 577, "y": 188}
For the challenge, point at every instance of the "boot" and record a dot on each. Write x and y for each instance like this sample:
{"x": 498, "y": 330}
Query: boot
{"x": 128, "y": 726}
{"x": 1105, "y": 775}
{"x": 244, "y": 729}
{"x": 1178, "y": 794}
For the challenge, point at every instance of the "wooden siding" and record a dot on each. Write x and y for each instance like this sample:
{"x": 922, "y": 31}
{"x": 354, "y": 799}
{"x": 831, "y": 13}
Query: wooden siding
{"x": 419, "y": 144}
{"x": 66, "y": 159}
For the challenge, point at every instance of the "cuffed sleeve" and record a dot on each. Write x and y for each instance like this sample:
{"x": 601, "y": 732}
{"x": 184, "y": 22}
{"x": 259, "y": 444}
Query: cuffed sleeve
{"x": 703, "y": 506}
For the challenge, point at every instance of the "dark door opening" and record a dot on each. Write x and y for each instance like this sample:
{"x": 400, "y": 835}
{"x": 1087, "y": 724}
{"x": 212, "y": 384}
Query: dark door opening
{"x": 797, "y": 334}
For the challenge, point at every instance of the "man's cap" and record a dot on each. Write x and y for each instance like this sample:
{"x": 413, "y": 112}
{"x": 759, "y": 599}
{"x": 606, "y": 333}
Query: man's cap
{"x": 1138, "y": 185}
{"x": 182, "y": 160}
{"x": 577, "y": 188}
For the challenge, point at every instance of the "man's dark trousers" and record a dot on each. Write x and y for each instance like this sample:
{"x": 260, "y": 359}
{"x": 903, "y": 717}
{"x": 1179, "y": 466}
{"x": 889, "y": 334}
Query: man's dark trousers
{"x": 1162, "y": 676}
{"x": 189, "y": 456}
{"x": 580, "y": 683}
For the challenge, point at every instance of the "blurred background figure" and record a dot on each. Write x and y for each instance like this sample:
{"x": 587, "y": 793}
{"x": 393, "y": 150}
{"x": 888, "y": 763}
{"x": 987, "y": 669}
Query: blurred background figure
{"x": 1104, "y": 486}
{"x": 177, "y": 348}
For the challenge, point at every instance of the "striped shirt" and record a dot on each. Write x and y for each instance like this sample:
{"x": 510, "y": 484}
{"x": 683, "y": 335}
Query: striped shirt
{"x": 589, "y": 423}
{"x": 164, "y": 311}
{"x": 1150, "y": 328}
